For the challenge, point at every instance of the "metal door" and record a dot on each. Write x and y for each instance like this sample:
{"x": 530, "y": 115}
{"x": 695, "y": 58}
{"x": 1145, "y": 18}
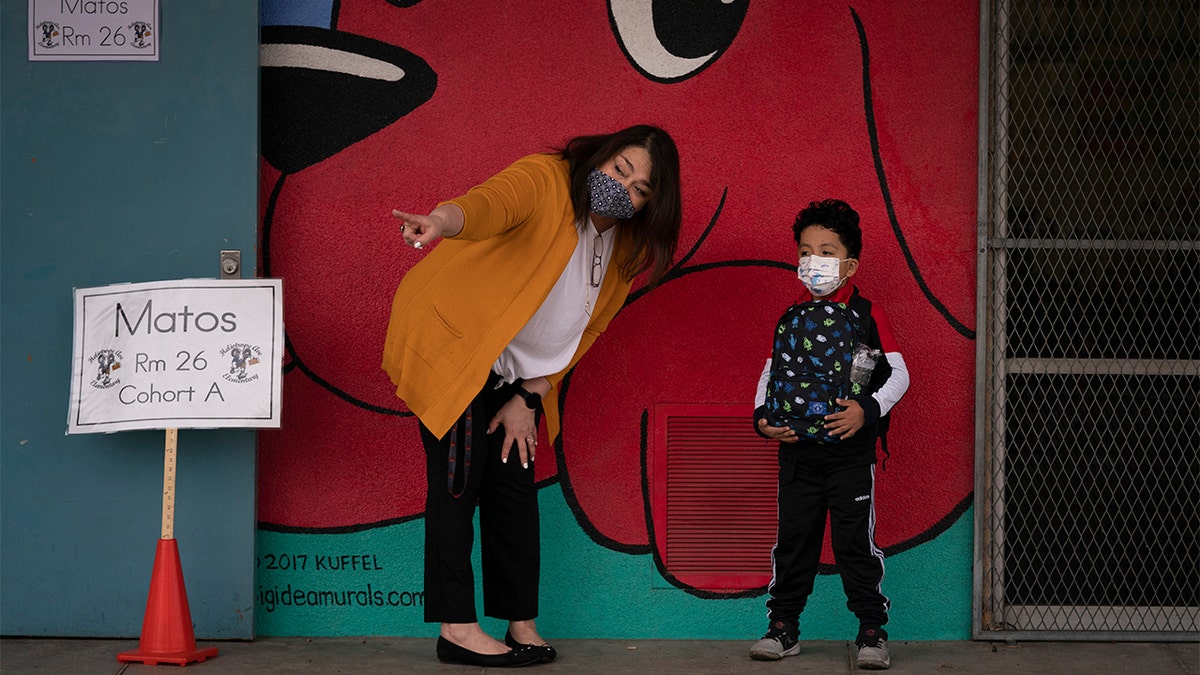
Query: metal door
{"x": 1088, "y": 462}
{"x": 120, "y": 172}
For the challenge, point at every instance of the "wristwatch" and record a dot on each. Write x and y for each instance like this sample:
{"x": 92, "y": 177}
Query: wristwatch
{"x": 532, "y": 401}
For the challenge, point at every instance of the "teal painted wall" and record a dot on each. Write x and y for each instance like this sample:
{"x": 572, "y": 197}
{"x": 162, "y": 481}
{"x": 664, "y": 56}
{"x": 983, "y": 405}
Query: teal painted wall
{"x": 370, "y": 583}
{"x": 119, "y": 172}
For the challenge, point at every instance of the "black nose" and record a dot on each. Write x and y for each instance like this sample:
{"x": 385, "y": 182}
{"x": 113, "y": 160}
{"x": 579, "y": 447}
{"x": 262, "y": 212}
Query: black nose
{"x": 311, "y": 108}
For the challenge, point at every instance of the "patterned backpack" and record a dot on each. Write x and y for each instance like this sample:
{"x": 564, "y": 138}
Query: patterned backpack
{"x": 811, "y": 361}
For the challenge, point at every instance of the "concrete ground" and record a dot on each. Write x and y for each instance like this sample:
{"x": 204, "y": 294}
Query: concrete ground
{"x": 367, "y": 656}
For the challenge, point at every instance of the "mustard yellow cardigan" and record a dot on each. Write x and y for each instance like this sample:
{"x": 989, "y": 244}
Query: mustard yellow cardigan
{"x": 460, "y": 306}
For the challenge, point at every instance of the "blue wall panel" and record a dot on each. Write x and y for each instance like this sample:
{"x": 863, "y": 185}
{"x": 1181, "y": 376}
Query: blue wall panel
{"x": 119, "y": 172}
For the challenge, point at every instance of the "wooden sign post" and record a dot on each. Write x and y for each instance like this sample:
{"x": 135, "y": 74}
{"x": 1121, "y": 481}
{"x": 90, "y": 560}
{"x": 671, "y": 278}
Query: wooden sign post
{"x": 170, "y": 455}
{"x": 167, "y": 633}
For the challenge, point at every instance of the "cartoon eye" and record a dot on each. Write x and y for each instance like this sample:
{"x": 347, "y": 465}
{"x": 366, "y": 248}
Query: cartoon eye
{"x": 672, "y": 40}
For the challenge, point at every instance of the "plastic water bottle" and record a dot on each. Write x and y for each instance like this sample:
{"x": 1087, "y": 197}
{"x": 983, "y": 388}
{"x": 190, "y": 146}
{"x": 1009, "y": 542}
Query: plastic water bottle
{"x": 865, "y": 359}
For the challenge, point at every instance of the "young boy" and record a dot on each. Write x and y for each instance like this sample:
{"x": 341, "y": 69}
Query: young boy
{"x": 833, "y": 473}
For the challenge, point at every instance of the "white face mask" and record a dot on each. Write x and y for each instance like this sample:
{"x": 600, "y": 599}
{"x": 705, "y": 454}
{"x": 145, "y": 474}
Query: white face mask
{"x": 819, "y": 274}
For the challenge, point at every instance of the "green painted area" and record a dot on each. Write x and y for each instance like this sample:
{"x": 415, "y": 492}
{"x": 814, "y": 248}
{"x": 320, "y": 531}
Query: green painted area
{"x": 370, "y": 583}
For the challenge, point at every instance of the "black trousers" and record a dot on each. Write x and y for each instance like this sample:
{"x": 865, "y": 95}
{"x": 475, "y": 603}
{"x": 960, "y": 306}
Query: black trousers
{"x": 811, "y": 485}
{"x": 508, "y": 520}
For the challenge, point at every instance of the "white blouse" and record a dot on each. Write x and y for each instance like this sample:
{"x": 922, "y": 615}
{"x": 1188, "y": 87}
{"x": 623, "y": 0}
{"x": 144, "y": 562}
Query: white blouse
{"x": 549, "y": 339}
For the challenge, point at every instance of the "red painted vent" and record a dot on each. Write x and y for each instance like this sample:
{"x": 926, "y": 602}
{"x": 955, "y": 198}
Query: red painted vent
{"x": 712, "y": 485}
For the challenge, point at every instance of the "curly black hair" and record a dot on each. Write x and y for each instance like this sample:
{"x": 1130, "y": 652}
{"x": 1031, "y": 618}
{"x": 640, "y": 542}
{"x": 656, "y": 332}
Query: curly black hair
{"x": 836, "y": 216}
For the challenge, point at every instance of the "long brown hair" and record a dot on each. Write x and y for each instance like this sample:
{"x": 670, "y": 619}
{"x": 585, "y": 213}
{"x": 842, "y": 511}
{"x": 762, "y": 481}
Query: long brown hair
{"x": 654, "y": 229}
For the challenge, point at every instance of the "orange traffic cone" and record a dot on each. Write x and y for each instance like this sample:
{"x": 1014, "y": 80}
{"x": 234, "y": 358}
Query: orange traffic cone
{"x": 167, "y": 635}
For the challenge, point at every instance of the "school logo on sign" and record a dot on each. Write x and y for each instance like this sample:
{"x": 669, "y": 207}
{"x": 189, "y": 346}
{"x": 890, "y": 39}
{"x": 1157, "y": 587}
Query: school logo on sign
{"x": 141, "y": 31}
{"x": 105, "y": 361}
{"x": 242, "y": 358}
{"x": 50, "y": 31}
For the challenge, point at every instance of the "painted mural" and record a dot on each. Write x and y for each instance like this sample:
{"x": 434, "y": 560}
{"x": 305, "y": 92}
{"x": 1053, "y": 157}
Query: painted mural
{"x": 369, "y": 105}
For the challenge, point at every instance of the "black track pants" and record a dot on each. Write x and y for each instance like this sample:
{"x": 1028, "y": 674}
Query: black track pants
{"x": 809, "y": 489}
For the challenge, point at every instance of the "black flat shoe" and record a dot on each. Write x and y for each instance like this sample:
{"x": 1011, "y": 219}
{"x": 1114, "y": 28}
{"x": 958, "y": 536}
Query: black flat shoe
{"x": 546, "y": 651}
{"x": 448, "y": 652}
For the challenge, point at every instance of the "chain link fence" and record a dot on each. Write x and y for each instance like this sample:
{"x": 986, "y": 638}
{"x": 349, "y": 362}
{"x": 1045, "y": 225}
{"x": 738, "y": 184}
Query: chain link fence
{"x": 1088, "y": 462}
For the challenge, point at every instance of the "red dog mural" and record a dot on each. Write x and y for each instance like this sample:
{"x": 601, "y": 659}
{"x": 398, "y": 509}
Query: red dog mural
{"x": 773, "y": 104}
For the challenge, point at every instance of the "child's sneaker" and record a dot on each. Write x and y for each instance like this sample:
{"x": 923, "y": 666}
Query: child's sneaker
{"x": 872, "y": 650}
{"x": 776, "y": 644}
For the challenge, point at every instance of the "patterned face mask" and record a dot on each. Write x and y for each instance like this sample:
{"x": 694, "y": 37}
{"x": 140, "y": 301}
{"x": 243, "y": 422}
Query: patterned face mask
{"x": 609, "y": 197}
{"x": 819, "y": 274}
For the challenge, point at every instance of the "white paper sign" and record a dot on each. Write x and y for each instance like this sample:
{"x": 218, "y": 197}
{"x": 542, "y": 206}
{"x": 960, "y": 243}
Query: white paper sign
{"x": 93, "y": 30}
{"x": 199, "y": 353}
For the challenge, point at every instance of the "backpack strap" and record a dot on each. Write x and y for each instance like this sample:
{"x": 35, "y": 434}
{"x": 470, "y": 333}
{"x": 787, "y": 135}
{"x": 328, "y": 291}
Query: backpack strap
{"x": 862, "y": 307}
{"x": 865, "y": 325}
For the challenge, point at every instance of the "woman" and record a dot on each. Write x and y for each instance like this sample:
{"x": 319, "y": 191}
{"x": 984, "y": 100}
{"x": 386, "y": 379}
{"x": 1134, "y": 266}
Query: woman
{"x": 536, "y": 262}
